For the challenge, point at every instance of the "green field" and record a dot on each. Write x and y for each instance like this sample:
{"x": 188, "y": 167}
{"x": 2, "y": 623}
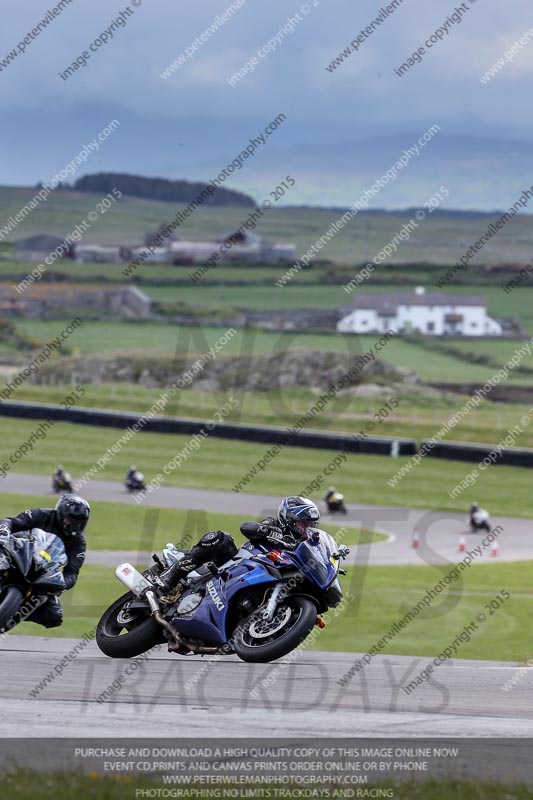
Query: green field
{"x": 324, "y": 271}
{"x": 162, "y": 339}
{"x": 386, "y": 593}
{"x": 218, "y": 464}
{"x": 438, "y": 240}
{"x": 98, "y": 274}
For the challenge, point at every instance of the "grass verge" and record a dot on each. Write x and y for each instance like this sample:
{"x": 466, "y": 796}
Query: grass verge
{"x": 385, "y": 594}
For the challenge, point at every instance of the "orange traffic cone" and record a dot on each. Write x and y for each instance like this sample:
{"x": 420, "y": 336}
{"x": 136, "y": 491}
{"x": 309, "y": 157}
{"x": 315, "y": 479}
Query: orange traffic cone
{"x": 462, "y": 543}
{"x": 415, "y": 541}
{"x": 495, "y": 550}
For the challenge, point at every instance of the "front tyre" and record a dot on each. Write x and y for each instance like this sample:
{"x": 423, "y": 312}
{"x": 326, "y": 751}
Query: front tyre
{"x": 11, "y": 598}
{"x": 260, "y": 640}
{"x": 122, "y": 633}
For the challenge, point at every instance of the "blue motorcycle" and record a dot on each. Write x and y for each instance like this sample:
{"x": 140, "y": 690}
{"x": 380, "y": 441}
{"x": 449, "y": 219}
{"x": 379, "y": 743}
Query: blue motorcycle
{"x": 261, "y": 604}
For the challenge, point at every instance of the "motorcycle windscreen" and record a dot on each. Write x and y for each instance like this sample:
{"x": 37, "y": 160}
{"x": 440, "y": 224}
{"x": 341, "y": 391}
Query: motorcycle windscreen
{"x": 49, "y": 558}
{"x": 20, "y": 550}
{"x": 315, "y": 563}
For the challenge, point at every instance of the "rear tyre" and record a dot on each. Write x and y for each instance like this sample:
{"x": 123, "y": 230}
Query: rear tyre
{"x": 124, "y": 634}
{"x": 260, "y": 641}
{"x": 10, "y": 601}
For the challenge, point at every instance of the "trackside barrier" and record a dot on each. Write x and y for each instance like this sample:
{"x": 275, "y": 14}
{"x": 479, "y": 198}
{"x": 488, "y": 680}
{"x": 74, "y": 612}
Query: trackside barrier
{"x": 461, "y": 451}
{"x": 265, "y": 434}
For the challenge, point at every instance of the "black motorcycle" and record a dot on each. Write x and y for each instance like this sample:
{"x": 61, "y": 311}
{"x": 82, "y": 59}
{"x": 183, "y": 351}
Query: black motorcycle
{"x": 31, "y": 566}
{"x": 62, "y": 483}
{"x": 135, "y": 482}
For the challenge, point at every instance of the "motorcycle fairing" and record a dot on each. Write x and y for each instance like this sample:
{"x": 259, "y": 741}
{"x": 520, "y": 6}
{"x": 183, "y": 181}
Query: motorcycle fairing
{"x": 208, "y": 621}
{"x": 38, "y": 556}
{"x": 315, "y": 558}
{"x": 252, "y": 567}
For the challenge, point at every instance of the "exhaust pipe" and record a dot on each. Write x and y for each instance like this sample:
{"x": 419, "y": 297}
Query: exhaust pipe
{"x": 141, "y": 587}
{"x": 156, "y": 614}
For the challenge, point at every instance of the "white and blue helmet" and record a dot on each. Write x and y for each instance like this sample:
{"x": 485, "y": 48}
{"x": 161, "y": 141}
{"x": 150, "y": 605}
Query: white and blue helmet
{"x": 297, "y": 514}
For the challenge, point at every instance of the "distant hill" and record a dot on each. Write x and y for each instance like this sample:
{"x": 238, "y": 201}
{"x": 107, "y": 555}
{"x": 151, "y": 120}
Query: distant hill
{"x": 178, "y": 191}
{"x": 482, "y": 174}
{"x": 408, "y": 213}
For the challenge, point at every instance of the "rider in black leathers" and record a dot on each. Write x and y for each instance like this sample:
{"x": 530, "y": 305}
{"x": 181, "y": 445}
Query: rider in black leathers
{"x": 295, "y": 516}
{"x": 67, "y": 521}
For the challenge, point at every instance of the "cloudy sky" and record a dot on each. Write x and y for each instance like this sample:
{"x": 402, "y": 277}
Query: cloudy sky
{"x": 195, "y": 116}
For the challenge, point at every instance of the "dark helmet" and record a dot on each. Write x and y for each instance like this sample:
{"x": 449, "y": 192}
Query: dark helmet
{"x": 72, "y": 514}
{"x": 297, "y": 514}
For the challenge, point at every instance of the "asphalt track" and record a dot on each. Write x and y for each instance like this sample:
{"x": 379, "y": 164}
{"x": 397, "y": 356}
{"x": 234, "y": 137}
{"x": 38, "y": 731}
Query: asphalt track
{"x": 191, "y": 696}
{"x": 168, "y": 695}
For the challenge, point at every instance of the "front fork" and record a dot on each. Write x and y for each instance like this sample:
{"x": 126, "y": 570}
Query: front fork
{"x": 272, "y": 604}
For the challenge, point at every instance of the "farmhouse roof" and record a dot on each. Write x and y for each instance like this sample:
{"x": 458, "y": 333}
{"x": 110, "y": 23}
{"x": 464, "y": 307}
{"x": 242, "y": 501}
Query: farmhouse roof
{"x": 42, "y": 241}
{"x": 384, "y": 302}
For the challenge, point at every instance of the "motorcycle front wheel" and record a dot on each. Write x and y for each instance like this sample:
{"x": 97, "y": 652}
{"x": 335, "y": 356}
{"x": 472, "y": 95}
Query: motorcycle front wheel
{"x": 10, "y": 601}
{"x": 260, "y": 640}
{"x": 122, "y": 633}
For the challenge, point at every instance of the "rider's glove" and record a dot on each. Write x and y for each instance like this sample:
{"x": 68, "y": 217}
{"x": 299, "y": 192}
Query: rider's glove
{"x": 268, "y": 530}
{"x": 271, "y": 533}
{"x": 343, "y": 551}
{"x": 4, "y": 531}
{"x": 275, "y": 536}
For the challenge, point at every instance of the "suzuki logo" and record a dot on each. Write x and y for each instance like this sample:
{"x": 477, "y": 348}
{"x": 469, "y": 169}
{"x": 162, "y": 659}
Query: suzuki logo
{"x": 215, "y": 597}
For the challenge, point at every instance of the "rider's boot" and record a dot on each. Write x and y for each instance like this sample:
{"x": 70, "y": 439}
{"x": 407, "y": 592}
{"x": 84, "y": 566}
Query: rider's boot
{"x": 171, "y": 576}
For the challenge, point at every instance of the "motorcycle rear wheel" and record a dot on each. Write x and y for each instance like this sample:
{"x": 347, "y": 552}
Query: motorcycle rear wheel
{"x": 260, "y": 641}
{"x": 10, "y": 601}
{"x": 123, "y": 635}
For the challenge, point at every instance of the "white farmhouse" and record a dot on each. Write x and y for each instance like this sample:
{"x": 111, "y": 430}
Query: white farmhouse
{"x": 432, "y": 313}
